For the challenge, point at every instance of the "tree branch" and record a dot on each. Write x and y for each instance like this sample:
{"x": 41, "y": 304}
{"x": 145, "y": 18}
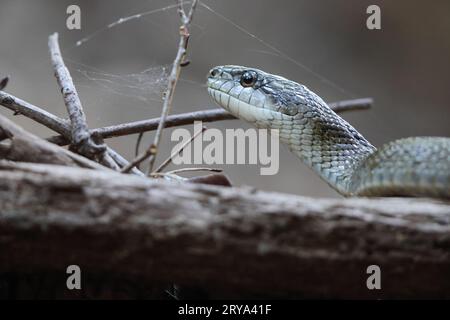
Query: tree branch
{"x": 203, "y": 115}
{"x": 233, "y": 242}
{"x": 59, "y": 125}
{"x": 19, "y": 106}
{"x": 27, "y": 147}
{"x": 62, "y": 126}
{"x": 81, "y": 140}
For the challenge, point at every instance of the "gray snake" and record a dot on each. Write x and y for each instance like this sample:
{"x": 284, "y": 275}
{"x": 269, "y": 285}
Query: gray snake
{"x": 329, "y": 145}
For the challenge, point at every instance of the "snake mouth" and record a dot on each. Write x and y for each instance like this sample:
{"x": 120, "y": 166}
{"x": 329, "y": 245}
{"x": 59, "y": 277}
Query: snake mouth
{"x": 237, "y": 107}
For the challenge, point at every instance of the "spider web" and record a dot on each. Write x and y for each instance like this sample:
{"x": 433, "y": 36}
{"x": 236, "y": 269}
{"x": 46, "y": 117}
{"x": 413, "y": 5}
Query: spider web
{"x": 145, "y": 86}
{"x": 149, "y": 84}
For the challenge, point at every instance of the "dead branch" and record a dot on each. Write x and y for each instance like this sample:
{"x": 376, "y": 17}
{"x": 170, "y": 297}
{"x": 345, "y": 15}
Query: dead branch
{"x": 235, "y": 242}
{"x": 190, "y": 117}
{"x": 59, "y": 125}
{"x": 351, "y": 105}
{"x": 82, "y": 140}
{"x": 27, "y": 147}
{"x": 40, "y": 115}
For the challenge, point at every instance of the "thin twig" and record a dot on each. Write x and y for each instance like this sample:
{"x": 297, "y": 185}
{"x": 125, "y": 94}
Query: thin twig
{"x": 189, "y": 118}
{"x": 179, "y": 151}
{"x": 81, "y": 137}
{"x": 188, "y": 18}
{"x": 172, "y": 82}
{"x": 193, "y": 170}
{"x": 19, "y": 106}
{"x": 136, "y": 161}
{"x": 138, "y": 144}
{"x": 4, "y": 83}
{"x": 49, "y": 120}
{"x": 350, "y": 105}
{"x": 122, "y": 162}
{"x": 137, "y": 147}
{"x": 174, "y": 173}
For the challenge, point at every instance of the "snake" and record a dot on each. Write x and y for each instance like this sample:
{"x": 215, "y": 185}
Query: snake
{"x": 328, "y": 144}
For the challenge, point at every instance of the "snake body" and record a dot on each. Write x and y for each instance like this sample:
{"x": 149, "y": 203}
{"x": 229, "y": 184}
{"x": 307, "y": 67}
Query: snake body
{"x": 329, "y": 145}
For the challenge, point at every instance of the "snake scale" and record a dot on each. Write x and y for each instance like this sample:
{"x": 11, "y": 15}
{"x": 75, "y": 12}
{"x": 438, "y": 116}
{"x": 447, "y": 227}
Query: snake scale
{"x": 329, "y": 145}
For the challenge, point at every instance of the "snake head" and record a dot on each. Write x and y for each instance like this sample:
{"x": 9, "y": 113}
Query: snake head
{"x": 256, "y": 96}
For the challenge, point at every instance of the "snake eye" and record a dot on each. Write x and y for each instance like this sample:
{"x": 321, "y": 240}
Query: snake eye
{"x": 214, "y": 72}
{"x": 248, "y": 78}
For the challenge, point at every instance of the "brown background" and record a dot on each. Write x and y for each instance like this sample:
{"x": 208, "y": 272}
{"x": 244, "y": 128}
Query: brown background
{"x": 405, "y": 66}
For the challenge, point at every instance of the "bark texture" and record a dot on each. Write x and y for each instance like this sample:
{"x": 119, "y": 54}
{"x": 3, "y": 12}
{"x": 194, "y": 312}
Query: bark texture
{"x": 231, "y": 242}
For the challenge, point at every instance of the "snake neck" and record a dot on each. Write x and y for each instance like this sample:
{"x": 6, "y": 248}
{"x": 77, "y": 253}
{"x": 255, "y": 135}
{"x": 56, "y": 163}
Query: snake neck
{"x": 328, "y": 144}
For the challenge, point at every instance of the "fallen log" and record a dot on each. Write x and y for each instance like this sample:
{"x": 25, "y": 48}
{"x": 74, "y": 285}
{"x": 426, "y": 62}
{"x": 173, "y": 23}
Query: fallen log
{"x": 232, "y": 242}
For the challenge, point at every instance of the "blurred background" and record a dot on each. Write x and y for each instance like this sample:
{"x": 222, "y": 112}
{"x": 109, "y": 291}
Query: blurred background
{"x": 119, "y": 71}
